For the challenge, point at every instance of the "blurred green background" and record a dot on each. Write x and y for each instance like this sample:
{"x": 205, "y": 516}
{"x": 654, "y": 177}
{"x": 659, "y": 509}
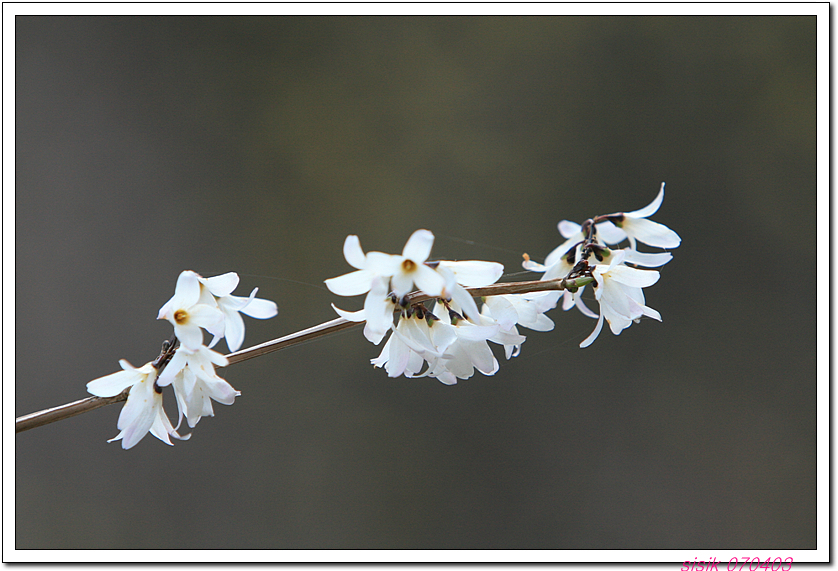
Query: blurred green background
{"x": 145, "y": 146}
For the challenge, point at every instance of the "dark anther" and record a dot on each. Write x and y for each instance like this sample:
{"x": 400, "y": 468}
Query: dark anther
{"x": 157, "y": 388}
{"x": 589, "y": 229}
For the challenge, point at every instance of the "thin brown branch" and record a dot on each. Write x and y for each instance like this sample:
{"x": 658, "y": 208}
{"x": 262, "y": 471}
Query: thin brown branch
{"x": 47, "y": 416}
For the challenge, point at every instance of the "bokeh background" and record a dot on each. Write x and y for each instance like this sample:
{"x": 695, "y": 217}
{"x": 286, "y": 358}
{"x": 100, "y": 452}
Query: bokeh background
{"x": 145, "y": 146}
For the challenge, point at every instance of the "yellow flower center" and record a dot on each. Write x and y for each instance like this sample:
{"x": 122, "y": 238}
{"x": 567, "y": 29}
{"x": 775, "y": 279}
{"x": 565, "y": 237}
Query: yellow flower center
{"x": 408, "y": 265}
{"x": 181, "y": 316}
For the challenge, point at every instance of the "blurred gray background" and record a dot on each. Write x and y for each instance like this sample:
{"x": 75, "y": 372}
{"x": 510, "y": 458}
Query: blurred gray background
{"x": 146, "y": 146}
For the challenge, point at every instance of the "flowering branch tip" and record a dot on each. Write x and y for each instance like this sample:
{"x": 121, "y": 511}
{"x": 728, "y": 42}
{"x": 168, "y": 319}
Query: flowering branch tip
{"x": 439, "y": 317}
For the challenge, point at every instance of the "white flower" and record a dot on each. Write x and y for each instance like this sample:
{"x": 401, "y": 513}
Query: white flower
{"x": 619, "y": 226}
{"x": 470, "y": 273}
{"x": 377, "y": 272}
{"x": 403, "y": 270}
{"x": 635, "y": 226}
{"x": 233, "y": 324}
{"x": 618, "y": 291}
{"x": 216, "y": 292}
{"x": 562, "y": 266}
{"x": 408, "y": 347}
{"x": 188, "y": 316}
{"x": 377, "y": 312}
{"x": 525, "y": 309}
{"x": 143, "y": 411}
{"x": 463, "y": 346}
{"x": 192, "y": 375}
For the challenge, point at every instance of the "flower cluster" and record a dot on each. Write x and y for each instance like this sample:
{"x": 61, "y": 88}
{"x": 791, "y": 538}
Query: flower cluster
{"x": 186, "y": 363}
{"x": 617, "y": 285}
{"x": 449, "y": 340}
{"x": 441, "y": 316}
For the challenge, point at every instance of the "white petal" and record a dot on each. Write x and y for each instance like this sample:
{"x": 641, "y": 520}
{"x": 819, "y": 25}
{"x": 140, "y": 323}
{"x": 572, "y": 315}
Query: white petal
{"x": 558, "y": 270}
{"x": 570, "y": 229}
{"x": 174, "y": 367}
{"x": 428, "y": 280}
{"x": 208, "y": 317}
{"x": 609, "y": 233}
{"x": 381, "y": 264}
{"x": 164, "y": 312}
{"x": 374, "y": 336}
{"x": 187, "y": 290}
{"x": 419, "y": 334}
{"x": 384, "y": 356}
{"x": 533, "y": 266}
{"x": 458, "y": 362}
{"x": 353, "y": 283}
{"x": 402, "y": 283}
{"x": 475, "y": 273}
{"x": 354, "y": 316}
{"x": 161, "y": 427}
{"x": 222, "y": 392}
{"x": 414, "y": 365}
{"x": 213, "y": 357}
{"x": 353, "y": 253}
{"x": 614, "y": 303}
{"x": 616, "y": 258}
{"x": 503, "y": 311}
{"x": 651, "y": 233}
{"x": 418, "y": 246}
{"x": 260, "y": 308}
{"x": 582, "y": 307}
{"x": 113, "y": 384}
{"x": 477, "y": 332}
{"x": 647, "y": 311}
{"x": 442, "y": 335}
{"x": 137, "y": 415}
{"x": 378, "y": 308}
{"x": 541, "y": 323}
{"x": 633, "y": 277}
{"x": 399, "y": 354}
{"x": 190, "y": 336}
{"x": 620, "y": 315}
{"x": 651, "y": 208}
{"x": 543, "y": 300}
{"x": 234, "y": 331}
{"x": 407, "y": 335}
{"x": 647, "y": 260}
{"x": 508, "y": 338}
{"x": 482, "y": 357}
{"x": 568, "y": 300}
{"x": 466, "y": 303}
{"x": 446, "y": 378}
{"x": 222, "y": 285}
{"x": 557, "y": 254}
{"x": 592, "y": 337}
